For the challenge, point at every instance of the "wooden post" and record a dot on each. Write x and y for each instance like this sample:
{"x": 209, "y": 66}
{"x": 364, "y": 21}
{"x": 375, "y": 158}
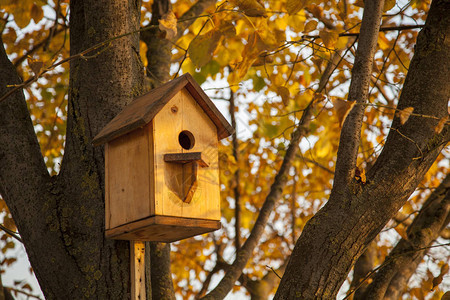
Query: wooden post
{"x": 137, "y": 270}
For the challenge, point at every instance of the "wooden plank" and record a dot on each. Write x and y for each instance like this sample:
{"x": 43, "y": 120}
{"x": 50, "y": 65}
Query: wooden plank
{"x": 184, "y": 158}
{"x": 140, "y": 111}
{"x": 129, "y": 178}
{"x": 151, "y": 168}
{"x": 144, "y": 108}
{"x": 163, "y": 229}
{"x": 224, "y": 128}
{"x": 137, "y": 270}
{"x": 107, "y": 205}
{"x": 169, "y": 122}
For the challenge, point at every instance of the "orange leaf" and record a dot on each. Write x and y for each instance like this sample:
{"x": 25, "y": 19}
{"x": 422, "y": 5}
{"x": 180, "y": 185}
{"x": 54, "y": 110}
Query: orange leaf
{"x": 168, "y": 24}
{"x": 310, "y": 26}
{"x": 342, "y": 108}
{"x": 440, "y": 125}
{"x": 36, "y": 13}
{"x": 35, "y": 65}
{"x": 360, "y": 175}
{"x": 404, "y": 114}
{"x": 329, "y": 38}
{"x": 251, "y": 8}
{"x": 284, "y": 93}
{"x": 388, "y": 4}
{"x": 437, "y": 280}
{"x": 294, "y": 6}
{"x": 359, "y": 3}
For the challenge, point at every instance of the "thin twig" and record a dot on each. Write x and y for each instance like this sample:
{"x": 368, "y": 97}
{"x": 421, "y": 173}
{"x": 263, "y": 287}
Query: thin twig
{"x": 273, "y": 270}
{"x": 82, "y": 54}
{"x": 383, "y": 29}
{"x": 11, "y": 289}
{"x": 412, "y": 141}
{"x": 11, "y": 233}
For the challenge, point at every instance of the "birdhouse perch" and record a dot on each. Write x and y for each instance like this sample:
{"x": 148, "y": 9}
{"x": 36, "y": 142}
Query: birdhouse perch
{"x": 161, "y": 165}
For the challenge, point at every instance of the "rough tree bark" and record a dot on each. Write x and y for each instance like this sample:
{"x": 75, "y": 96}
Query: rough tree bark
{"x": 66, "y": 212}
{"x": 391, "y": 279}
{"x": 328, "y": 247}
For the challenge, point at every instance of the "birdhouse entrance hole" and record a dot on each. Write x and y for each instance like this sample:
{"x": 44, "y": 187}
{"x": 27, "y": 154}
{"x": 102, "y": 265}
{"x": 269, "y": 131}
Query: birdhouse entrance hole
{"x": 186, "y": 140}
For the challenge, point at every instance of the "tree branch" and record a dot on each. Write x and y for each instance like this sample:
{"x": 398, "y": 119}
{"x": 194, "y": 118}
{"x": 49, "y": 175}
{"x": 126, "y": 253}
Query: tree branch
{"x": 158, "y": 47}
{"x": 359, "y": 87}
{"x": 382, "y": 29}
{"x": 23, "y": 174}
{"x": 261, "y": 289}
{"x": 363, "y": 266}
{"x": 37, "y": 46}
{"x": 236, "y": 188}
{"x": 389, "y": 281}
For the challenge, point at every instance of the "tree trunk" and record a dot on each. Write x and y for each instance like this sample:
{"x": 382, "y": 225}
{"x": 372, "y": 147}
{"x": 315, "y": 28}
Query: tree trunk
{"x": 66, "y": 212}
{"x": 328, "y": 246}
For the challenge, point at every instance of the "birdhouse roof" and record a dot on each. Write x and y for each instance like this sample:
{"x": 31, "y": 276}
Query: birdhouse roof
{"x": 144, "y": 108}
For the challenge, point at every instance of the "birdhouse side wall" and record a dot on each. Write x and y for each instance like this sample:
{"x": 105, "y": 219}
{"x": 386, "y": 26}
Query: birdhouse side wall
{"x": 129, "y": 178}
{"x": 183, "y": 114}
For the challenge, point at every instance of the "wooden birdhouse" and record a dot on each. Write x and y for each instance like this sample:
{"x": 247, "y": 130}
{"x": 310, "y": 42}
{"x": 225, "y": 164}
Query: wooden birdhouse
{"x": 161, "y": 165}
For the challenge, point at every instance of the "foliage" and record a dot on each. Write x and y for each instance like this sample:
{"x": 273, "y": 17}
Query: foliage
{"x": 271, "y": 55}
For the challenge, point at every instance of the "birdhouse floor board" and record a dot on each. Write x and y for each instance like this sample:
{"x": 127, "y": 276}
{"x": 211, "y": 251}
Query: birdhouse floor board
{"x": 162, "y": 229}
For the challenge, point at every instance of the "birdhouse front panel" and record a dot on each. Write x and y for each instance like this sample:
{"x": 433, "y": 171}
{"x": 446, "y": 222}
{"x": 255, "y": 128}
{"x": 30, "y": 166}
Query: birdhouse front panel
{"x": 186, "y": 160}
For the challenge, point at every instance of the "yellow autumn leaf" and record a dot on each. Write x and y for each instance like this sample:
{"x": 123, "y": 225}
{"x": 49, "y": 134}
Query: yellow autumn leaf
{"x": 250, "y": 54}
{"x": 342, "y": 108}
{"x": 297, "y": 21}
{"x": 266, "y": 38}
{"x": 404, "y": 114}
{"x": 440, "y": 125}
{"x": 202, "y": 48}
{"x": 251, "y": 8}
{"x": 142, "y": 52}
{"x": 233, "y": 80}
{"x": 341, "y": 42}
{"x": 360, "y": 175}
{"x": 310, "y": 26}
{"x": 329, "y": 38}
{"x": 227, "y": 29}
{"x": 284, "y": 94}
{"x": 168, "y": 24}
{"x": 294, "y": 6}
{"x": 383, "y": 42}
